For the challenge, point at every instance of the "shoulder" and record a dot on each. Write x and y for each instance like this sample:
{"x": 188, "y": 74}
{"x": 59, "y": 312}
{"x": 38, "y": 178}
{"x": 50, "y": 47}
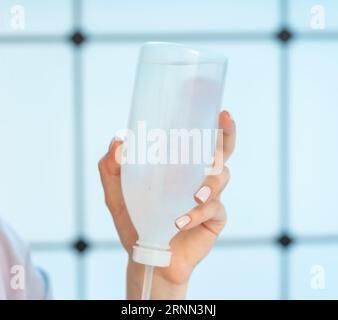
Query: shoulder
{"x": 15, "y": 262}
{"x": 13, "y": 250}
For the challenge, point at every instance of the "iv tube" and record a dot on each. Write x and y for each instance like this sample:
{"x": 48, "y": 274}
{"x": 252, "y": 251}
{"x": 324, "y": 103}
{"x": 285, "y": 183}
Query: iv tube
{"x": 147, "y": 281}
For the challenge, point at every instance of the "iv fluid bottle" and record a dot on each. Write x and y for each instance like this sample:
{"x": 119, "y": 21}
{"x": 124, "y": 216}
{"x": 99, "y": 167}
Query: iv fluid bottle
{"x": 176, "y": 88}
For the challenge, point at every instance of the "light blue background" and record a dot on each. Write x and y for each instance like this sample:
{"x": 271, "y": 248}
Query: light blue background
{"x": 39, "y": 117}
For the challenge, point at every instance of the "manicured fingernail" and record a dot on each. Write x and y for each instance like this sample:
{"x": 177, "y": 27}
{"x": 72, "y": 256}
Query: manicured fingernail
{"x": 181, "y": 222}
{"x": 203, "y": 194}
{"x": 229, "y": 115}
{"x": 116, "y": 138}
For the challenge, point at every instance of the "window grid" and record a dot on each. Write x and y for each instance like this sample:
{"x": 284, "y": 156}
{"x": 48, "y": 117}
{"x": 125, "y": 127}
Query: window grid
{"x": 77, "y": 38}
{"x": 284, "y": 151}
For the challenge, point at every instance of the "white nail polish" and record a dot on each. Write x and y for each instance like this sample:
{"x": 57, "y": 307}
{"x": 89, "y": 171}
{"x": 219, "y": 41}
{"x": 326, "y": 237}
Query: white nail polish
{"x": 182, "y": 221}
{"x": 115, "y": 139}
{"x": 203, "y": 194}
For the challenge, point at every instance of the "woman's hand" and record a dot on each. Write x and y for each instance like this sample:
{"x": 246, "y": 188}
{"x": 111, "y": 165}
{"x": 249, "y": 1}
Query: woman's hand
{"x": 199, "y": 227}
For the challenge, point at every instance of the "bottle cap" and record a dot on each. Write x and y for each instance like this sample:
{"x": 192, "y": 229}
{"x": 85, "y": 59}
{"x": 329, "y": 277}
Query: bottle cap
{"x": 152, "y": 257}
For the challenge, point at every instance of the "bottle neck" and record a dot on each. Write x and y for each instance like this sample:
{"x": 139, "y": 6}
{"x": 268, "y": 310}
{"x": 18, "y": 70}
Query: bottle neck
{"x": 151, "y": 256}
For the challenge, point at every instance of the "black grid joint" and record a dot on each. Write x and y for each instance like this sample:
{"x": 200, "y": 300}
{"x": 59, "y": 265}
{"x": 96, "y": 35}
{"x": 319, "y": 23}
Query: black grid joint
{"x": 284, "y": 35}
{"x": 77, "y": 38}
{"x": 81, "y": 246}
{"x": 285, "y": 240}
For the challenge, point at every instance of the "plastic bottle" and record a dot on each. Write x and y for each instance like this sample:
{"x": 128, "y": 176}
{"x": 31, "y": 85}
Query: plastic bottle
{"x": 175, "y": 88}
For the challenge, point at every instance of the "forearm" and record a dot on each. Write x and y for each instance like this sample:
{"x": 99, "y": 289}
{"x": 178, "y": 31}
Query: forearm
{"x": 161, "y": 288}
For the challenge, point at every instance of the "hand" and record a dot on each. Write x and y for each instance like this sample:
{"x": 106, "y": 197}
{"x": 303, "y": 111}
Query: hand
{"x": 199, "y": 227}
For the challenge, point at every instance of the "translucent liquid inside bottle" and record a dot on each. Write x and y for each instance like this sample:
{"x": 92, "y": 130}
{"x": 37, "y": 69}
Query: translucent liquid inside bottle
{"x": 168, "y": 96}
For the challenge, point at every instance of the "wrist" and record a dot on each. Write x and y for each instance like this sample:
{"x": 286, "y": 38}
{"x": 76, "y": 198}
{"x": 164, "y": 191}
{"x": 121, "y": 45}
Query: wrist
{"x": 162, "y": 288}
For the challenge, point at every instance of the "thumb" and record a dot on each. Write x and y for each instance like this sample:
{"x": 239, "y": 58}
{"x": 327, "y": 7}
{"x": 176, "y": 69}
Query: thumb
{"x": 110, "y": 173}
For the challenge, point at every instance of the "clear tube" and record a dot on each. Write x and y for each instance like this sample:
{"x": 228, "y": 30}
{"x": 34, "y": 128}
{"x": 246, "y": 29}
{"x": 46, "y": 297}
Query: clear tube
{"x": 147, "y": 281}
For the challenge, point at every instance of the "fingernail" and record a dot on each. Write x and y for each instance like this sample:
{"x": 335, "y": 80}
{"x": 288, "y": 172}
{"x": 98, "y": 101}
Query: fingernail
{"x": 116, "y": 138}
{"x": 229, "y": 115}
{"x": 203, "y": 194}
{"x": 182, "y": 221}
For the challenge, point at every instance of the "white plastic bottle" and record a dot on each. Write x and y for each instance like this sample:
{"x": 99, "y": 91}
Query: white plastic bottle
{"x": 175, "y": 88}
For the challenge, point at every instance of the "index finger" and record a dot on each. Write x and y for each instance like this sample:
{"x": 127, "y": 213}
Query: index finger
{"x": 226, "y": 140}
